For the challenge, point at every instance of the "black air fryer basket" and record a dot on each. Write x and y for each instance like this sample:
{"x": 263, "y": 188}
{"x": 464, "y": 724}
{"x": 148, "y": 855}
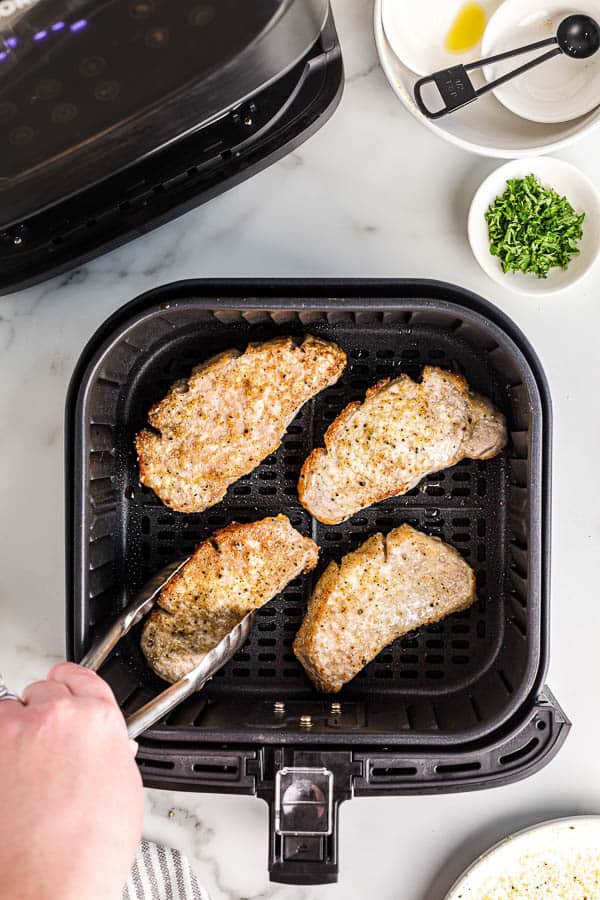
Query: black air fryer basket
{"x": 457, "y": 705}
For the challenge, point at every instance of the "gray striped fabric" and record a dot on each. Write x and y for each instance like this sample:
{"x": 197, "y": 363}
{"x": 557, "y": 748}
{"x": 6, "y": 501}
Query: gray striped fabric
{"x": 162, "y": 874}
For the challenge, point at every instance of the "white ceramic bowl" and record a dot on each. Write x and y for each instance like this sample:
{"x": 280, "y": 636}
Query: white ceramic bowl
{"x": 567, "y": 181}
{"x": 561, "y": 89}
{"x": 486, "y": 127}
{"x": 559, "y": 844}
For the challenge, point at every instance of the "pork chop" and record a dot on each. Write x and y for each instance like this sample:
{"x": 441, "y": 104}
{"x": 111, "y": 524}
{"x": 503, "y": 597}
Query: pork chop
{"x": 402, "y": 431}
{"x": 388, "y": 586}
{"x": 228, "y": 416}
{"x": 239, "y": 568}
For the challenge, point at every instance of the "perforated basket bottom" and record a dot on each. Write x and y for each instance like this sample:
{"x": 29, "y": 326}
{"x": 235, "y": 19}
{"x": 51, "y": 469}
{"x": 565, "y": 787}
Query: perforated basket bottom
{"x": 464, "y": 506}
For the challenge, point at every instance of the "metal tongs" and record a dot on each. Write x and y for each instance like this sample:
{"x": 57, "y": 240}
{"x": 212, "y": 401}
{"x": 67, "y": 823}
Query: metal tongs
{"x": 142, "y": 603}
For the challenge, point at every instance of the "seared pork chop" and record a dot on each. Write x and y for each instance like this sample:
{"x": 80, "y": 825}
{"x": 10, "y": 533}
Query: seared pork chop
{"x": 402, "y": 431}
{"x": 239, "y": 568}
{"x": 389, "y": 586}
{"x": 228, "y": 416}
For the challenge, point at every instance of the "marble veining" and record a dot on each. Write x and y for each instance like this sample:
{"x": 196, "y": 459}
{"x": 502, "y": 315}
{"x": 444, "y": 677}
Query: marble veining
{"x": 371, "y": 194}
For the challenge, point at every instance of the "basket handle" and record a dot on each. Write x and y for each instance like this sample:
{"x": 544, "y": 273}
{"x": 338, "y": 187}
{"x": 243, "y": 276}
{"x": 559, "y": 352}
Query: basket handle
{"x": 304, "y": 799}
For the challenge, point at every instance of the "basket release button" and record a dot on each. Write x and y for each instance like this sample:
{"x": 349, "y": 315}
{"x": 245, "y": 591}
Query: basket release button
{"x": 303, "y": 805}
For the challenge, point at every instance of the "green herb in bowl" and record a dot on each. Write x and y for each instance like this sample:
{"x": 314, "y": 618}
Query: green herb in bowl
{"x": 532, "y": 228}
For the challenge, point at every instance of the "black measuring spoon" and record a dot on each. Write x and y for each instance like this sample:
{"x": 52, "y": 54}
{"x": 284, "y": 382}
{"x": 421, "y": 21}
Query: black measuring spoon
{"x": 577, "y": 36}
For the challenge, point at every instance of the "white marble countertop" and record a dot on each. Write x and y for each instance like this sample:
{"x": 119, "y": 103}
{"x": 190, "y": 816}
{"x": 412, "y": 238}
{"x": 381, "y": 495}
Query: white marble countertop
{"x": 371, "y": 194}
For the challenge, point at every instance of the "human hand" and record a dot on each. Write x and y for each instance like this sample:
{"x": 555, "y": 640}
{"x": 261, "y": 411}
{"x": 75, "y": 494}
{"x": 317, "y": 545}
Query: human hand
{"x": 71, "y": 795}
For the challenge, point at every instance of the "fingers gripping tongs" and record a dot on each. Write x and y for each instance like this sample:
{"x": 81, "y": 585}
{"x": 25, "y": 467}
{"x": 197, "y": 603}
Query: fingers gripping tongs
{"x": 143, "y": 602}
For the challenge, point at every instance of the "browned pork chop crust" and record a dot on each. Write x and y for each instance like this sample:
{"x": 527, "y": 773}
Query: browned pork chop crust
{"x": 239, "y": 568}
{"x": 229, "y": 415}
{"x": 388, "y": 586}
{"x": 402, "y": 431}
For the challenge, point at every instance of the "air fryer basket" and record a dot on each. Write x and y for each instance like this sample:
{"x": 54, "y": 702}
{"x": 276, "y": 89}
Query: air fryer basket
{"x": 453, "y": 705}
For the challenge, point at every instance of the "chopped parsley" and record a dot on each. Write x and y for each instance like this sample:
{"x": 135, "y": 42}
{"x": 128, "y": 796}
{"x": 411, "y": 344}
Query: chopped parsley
{"x": 532, "y": 228}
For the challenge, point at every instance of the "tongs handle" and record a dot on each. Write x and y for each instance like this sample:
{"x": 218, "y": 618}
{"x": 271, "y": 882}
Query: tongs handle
{"x": 160, "y": 706}
{"x": 142, "y": 603}
{"x": 147, "y": 715}
{"x": 99, "y": 651}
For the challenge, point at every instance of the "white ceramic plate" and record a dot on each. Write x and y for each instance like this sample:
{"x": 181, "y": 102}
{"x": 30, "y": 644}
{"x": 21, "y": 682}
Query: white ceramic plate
{"x": 487, "y": 127}
{"x": 566, "y": 180}
{"x": 561, "y": 89}
{"x": 417, "y": 32}
{"x": 539, "y": 862}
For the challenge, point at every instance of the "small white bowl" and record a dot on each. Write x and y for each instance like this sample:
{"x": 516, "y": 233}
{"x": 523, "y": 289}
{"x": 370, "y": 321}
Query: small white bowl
{"x": 559, "y": 90}
{"x": 566, "y": 180}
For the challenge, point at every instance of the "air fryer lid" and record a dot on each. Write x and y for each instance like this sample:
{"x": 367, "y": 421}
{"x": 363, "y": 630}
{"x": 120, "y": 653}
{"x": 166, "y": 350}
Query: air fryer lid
{"x": 88, "y": 87}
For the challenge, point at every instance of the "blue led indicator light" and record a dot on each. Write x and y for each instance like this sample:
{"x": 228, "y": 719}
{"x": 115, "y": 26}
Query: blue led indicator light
{"x": 40, "y": 35}
{"x": 11, "y": 42}
{"x": 58, "y": 26}
{"x": 79, "y": 25}
{"x": 3, "y": 56}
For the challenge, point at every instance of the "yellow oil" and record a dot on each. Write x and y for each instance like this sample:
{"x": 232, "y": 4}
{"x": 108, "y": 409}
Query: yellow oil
{"x": 467, "y": 29}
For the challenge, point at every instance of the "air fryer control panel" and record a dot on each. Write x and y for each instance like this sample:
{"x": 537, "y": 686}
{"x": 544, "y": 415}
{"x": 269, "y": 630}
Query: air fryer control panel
{"x": 71, "y": 70}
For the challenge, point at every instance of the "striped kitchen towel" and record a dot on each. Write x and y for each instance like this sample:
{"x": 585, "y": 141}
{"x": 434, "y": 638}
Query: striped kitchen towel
{"x": 162, "y": 874}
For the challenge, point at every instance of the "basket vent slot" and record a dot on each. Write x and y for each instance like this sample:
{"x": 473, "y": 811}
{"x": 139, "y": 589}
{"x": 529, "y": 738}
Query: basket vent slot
{"x": 155, "y": 763}
{"x": 387, "y": 773}
{"x": 519, "y": 754}
{"x": 457, "y": 768}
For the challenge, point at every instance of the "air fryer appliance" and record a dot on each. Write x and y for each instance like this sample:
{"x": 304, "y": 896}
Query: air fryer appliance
{"x": 458, "y": 705}
{"x": 116, "y": 116}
